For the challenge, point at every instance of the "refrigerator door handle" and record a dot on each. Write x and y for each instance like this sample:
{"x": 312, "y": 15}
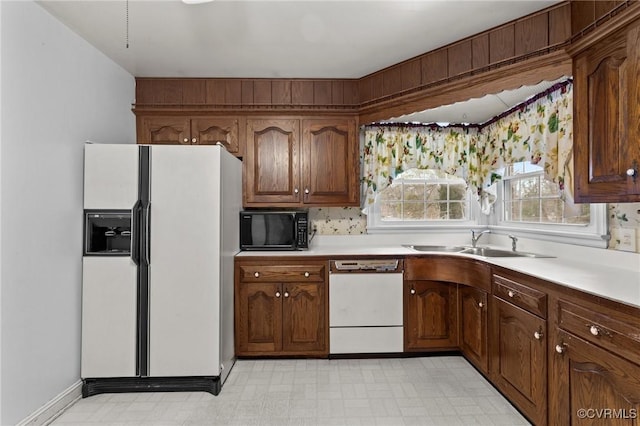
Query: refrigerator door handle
{"x": 135, "y": 234}
{"x": 147, "y": 220}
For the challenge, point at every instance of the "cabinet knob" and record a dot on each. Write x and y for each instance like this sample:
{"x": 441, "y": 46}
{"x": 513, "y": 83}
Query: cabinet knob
{"x": 256, "y": 274}
{"x": 286, "y": 294}
{"x": 631, "y": 172}
{"x": 412, "y": 291}
{"x": 480, "y": 304}
{"x": 560, "y": 348}
{"x": 306, "y": 190}
{"x": 277, "y": 294}
{"x": 296, "y": 190}
{"x": 511, "y": 293}
{"x": 306, "y": 274}
{"x": 538, "y": 335}
{"x": 185, "y": 140}
{"x": 594, "y": 330}
{"x": 194, "y": 140}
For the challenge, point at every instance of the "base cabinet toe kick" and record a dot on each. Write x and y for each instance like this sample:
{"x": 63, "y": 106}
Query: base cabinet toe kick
{"x": 365, "y": 309}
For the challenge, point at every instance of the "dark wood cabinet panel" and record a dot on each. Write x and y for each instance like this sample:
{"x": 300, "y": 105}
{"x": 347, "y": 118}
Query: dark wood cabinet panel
{"x": 501, "y": 44}
{"x": 559, "y": 30}
{"x": 480, "y": 54}
{"x": 392, "y": 80}
{"x": 259, "y": 317}
{"x": 431, "y": 318}
{"x": 474, "y": 317}
{"x": 330, "y": 141}
{"x": 592, "y": 385}
{"x": 272, "y": 171}
{"x": 521, "y": 295}
{"x": 458, "y": 270}
{"x": 606, "y": 110}
{"x": 281, "y": 92}
{"x": 411, "y": 74}
{"x": 435, "y": 66}
{"x": 519, "y": 358}
{"x": 322, "y": 92}
{"x": 531, "y": 34}
{"x": 286, "y": 162}
{"x": 281, "y": 309}
{"x": 302, "y": 92}
{"x": 262, "y": 92}
{"x": 187, "y": 130}
{"x": 460, "y": 58}
{"x": 303, "y": 318}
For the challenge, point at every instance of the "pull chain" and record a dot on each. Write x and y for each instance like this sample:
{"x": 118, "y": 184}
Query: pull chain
{"x": 127, "y": 19}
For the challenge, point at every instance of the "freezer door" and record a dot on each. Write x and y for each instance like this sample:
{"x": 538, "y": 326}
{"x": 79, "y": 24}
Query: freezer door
{"x": 109, "y": 295}
{"x": 184, "y": 269}
{"x": 110, "y": 176}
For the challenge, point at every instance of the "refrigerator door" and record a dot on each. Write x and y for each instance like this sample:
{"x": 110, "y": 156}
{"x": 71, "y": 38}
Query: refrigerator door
{"x": 184, "y": 269}
{"x": 110, "y": 176}
{"x": 108, "y": 317}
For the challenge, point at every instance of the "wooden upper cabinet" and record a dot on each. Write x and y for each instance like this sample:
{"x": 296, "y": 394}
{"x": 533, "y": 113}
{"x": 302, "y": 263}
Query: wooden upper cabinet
{"x": 301, "y": 162}
{"x": 187, "y": 130}
{"x": 271, "y": 163}
{"x": 330, "y": 161}
{"x": 606, "y": 127}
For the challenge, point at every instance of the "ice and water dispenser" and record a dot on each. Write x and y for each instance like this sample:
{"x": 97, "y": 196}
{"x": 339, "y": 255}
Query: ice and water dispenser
{"x": 107, "y": 233}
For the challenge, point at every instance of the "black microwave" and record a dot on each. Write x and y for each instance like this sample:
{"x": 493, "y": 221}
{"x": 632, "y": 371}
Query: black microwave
{"x": 274, "y": 230}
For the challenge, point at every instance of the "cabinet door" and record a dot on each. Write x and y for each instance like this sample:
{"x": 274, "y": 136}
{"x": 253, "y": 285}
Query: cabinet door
{"x": 591, "y": 385}
{"x": 304, "y": 320}
{"x": 473, "y": 326}
{"x": 519, "y": 363}
{"x": 164, "y": 130}
{"x": 211, "y": 130}
{"x": 607, "y": 107}
{"x": 272, "y": 169}
{"x": 259, "y": 318}
{"x": 431, "y": 320}
{"x": 330, "y": 161}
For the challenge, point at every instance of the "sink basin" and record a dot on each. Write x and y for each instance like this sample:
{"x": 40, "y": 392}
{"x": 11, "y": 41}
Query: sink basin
{"x": 478, "y": 251}
{"x": 438, "y": 249}
{"x": 490, "y": 252}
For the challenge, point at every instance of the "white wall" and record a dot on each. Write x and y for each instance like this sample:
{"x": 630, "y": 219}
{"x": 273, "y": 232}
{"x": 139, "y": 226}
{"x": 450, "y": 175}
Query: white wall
{"x": 57, "y": 92}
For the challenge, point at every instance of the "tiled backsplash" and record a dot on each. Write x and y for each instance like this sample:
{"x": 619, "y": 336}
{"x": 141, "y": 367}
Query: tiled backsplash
{"x": 350, "y": 221}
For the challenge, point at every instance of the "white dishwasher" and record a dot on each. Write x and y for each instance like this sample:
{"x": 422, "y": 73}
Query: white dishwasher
{"x": 365, "y": 306}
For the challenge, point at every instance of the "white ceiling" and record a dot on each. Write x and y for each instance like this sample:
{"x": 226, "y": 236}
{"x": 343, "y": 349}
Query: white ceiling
{"x": 277, "y": 39}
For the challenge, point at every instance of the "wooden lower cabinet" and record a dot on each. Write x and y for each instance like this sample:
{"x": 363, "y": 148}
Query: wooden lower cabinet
{"x": 591, "y": 386}
{"x": 431, "y": 317}
{"x": 281, "y": 310}
{"x": 474, "y": 317}
{"x": 519, "y": 358}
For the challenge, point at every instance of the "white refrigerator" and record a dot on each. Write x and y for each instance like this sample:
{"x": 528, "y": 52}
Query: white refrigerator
{"x": 161, "y": 231}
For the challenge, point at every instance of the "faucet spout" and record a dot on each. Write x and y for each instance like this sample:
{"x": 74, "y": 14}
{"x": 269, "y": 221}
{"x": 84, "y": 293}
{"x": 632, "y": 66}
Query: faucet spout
{"x": 474, "y": 238}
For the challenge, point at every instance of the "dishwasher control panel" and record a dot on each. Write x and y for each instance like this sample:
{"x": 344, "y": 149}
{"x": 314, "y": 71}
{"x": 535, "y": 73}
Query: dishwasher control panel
{"x": 366, "y": 265}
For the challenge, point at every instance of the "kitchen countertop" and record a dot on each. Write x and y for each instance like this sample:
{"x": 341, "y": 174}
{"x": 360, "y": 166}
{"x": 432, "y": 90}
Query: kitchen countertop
{"x": 601, "y": 272}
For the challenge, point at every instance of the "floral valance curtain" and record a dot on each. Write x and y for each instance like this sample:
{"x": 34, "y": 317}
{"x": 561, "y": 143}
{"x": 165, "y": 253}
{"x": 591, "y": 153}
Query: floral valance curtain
{"x": 539, "y": 131}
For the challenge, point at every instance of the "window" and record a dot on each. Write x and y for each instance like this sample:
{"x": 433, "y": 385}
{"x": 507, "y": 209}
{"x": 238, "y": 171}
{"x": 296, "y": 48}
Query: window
{"x": 421, "y": 198}
{"x": 530, "y": 205}
{"x": 529, "y": 197}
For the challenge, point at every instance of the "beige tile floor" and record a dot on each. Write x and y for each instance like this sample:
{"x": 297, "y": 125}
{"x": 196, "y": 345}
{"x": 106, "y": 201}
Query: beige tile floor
{"x": 439, "y": 390}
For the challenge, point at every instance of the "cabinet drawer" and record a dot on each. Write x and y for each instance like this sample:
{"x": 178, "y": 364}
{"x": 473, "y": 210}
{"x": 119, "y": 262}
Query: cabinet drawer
{"x": 613, "y": 331}
{"x": 282, "y": 273}
{"x": 521, "y": 295}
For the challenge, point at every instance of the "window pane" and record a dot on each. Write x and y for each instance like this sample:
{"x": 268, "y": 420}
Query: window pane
{"x": 434, "y": 212}
{"x": 512, "y": 211}
{"x": 531, "y": 210}
{"x": 516, "y": 189}
{"x": 577, "y": 213}
{"x": 414, "y": 191}
{"x": 457, "y": 210}
{"x": 432, "y": 192}
{"x": 391, "y": 193}
{"x": 458, "y": 192}
{"x": 413, "y": 211}
{"x": 549, "y": 188}
{"x": 552, "y": 210}
{"x": 530, "y": 187}
{"x": 390, "y": 211}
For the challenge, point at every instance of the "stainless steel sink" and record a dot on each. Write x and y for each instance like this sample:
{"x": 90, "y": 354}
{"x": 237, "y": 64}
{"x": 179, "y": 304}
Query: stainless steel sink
{"x": 438, "y": 249}
{"x": 478, "y": 251}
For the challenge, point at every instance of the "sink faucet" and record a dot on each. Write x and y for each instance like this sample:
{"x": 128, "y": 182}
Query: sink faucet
{"x": 514, "y": 240}
{"x": 475, "y": 239}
